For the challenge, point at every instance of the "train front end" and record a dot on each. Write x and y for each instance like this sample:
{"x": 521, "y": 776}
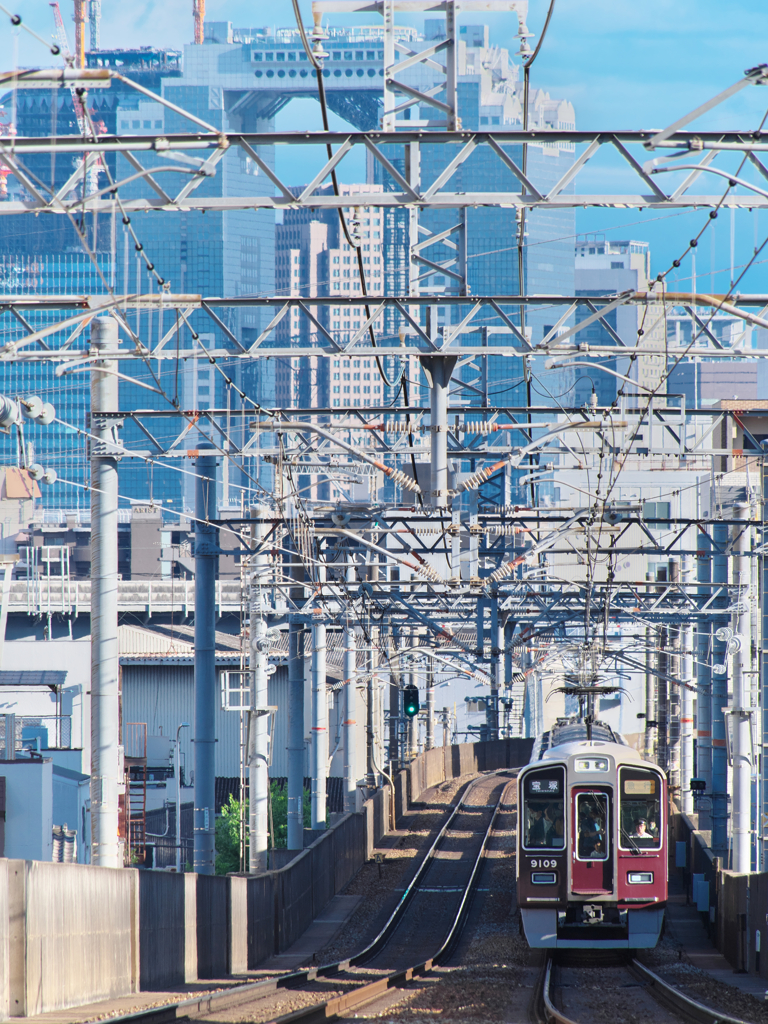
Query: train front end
{"x": 592, "y": 848}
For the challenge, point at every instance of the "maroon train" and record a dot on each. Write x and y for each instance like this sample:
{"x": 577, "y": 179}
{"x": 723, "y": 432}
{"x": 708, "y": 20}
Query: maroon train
{"x": 591, "y": 842}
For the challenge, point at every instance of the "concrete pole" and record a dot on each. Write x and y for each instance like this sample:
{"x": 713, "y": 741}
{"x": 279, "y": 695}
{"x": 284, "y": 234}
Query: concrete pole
{"x": 492, "y": 712}
{"x": 507, "y": 638}
{"x": 177, "y": 773}
{"x": 650, "y": 687}
{"x": 704, "y": 680}
{"x": 674, "y": 697}
{"x": 205, "y": 665}
{"x": 295, "y": 735}
{"x": 719, "y": 698}
{"x": 350, "y": 717}
{"x": 686, "y": 704}
{"x": 394, "y": 701}
{"x": 319, "y": 749}
{"x": 105, "y": 707}
{"x": 258, "y": 753}
{"x": 438, "y": 370}
{"x": 742, "y": 743}
{"x": 430, "y": 687}
{"x": 370, "y": 718}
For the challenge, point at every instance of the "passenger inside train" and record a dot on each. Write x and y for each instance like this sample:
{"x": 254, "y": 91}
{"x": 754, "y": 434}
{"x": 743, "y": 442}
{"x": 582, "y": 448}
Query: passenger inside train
{"x": 592, "y": 814}
{"x": 543, "y": 809}
{"x": 639, "y": 810}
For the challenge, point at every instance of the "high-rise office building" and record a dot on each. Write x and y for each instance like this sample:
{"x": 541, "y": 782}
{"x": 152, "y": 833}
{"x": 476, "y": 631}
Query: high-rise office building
{"x": 604, "y": 267}
{"x": 239, "y": 80}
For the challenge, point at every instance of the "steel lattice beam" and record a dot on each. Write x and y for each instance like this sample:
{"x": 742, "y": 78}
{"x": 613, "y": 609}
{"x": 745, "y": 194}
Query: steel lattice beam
{"x": 179, "y": 180}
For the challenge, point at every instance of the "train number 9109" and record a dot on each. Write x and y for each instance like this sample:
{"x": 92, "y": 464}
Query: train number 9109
{"x": 543, "y": 863}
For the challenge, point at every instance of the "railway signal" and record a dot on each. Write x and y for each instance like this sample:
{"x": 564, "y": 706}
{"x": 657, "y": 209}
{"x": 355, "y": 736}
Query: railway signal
{"x": 411, "y": 701}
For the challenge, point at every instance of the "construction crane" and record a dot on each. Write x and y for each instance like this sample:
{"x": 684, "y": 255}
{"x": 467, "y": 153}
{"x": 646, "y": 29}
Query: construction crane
{"x": 61, "y": 35}
{"x": 82, "y": 121}
{"x": 94, "y": 21}
{"x": 80, "y": 33}
{"x": 7, "y": 130}
{"x": 198, "y": 10}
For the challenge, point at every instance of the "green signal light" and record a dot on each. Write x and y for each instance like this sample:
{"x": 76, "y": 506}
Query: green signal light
{"x": 411, "y": 701}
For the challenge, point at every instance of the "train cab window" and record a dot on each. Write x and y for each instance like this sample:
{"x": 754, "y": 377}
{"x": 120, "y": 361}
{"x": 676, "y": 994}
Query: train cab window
{"x": 640, "y": 809}
{"x": 592, "y": 823}
{"x": 543, "y": 815}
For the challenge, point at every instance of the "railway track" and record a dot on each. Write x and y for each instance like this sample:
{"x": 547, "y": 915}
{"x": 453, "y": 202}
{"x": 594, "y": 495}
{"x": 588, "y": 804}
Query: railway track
{"x": 431, "y": 912}
{"x": 583, "y": 993}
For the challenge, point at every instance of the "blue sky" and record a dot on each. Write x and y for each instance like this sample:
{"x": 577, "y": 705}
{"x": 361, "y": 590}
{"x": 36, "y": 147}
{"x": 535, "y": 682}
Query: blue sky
{"x": 623, "y": 64}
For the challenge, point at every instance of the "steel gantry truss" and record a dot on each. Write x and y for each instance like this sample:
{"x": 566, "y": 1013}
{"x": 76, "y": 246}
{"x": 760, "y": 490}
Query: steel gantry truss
{"x": 183, "y": 161}
{"x": 63, "y": 339}
{"x": 397, "y": 567}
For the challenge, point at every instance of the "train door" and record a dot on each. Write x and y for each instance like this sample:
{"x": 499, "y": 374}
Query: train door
{"x": 591, "y": 849}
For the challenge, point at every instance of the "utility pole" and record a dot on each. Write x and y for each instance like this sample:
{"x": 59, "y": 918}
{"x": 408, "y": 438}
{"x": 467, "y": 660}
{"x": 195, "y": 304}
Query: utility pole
{"x": 704, "y": 680}
{"x": 430, "y": 691}
{"x": 673, "y": 691}
{"x": 650, "y": 686}
{"x": 740, "y": 708}
{"x": 319, "y": 748}
{"x": 177, "y": 773}
{"x": 295, "y": 813}
{"x": 438, "y": 370}
{"x": 370, "y": 716}
{"x": 686, "y": 705}
{"x": 258, "y": 753}
{"x": 719, "y": 695}
{"x": 394, "y": 700}
{"x": 105, "y": 709}
{"x": 350, "y": 709}
{"x": 206, "y": 547}
{"x": 662, "y": 668}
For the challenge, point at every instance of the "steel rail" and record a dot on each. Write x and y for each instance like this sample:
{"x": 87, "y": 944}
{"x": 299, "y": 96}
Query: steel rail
{"x": 671, "y": 996}
{"x": 662, "y": 991}
{"x": 201, "y": 1006}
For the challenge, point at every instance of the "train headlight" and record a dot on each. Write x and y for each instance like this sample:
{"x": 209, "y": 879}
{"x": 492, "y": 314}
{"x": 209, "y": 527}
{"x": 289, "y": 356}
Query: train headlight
{"x": 640, "y": 877}
{"x": 544, "y": 878}
{"x": 591, "y": 764}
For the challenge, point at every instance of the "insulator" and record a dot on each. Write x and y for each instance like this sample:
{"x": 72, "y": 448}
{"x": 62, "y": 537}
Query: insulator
{"x": 403, "y": 479}
{"x": 502, "y": 572}
{"x": 48, "y": 415}
{"x": 475, "y": 480}
{"x": 429, "y": 572}
{"x": 33, "y": 407}
{"x": 9, "y": 413}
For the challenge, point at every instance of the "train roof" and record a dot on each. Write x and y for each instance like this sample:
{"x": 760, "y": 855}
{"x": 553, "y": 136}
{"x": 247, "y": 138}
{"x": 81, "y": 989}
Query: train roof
{"x": 569, "y": 735}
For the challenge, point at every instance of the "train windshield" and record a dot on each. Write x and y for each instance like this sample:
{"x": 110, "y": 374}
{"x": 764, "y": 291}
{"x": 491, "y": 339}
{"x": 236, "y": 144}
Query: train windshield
{"x": 543, "y": 817}
{"x": 592, "y": 819}
{"x": 640, "y": 809}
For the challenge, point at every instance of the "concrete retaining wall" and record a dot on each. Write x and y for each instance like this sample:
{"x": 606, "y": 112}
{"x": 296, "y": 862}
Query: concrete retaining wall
{"x": 736, "y": 916}
{"x": 72, "y": 933}
{"x": 70, "y": 924}
{"x": 435, "y": 766}
{"x": 167, "y": 936}
{"x": 212, "y": 926}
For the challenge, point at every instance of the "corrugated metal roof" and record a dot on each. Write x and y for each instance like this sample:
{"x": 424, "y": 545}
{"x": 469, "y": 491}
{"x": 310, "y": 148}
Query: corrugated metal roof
{"x": 135, "y": 640}
{"x": 29, "y": 678}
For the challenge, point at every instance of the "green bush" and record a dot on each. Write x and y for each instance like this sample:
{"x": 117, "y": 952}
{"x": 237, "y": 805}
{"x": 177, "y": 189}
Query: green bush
{"x": 228, "y": 827}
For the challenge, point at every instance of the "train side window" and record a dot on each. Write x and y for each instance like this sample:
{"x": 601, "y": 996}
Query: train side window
{"x": 639, "y": 809}
{"x": 592, "y": 823}
{"x": 543, "y": 815}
